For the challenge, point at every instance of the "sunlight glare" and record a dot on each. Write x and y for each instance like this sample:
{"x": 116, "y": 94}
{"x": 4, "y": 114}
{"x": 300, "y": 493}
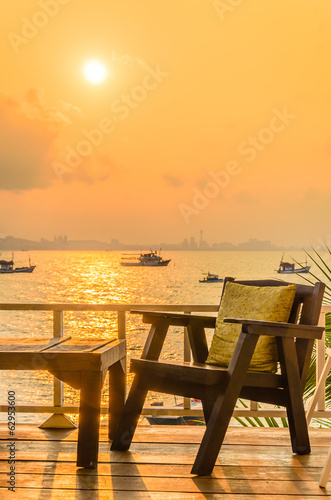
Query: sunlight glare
{"x": 95, "y": 71}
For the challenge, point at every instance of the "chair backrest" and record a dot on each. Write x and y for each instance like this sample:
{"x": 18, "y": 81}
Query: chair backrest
{"x": 307, "y": 302}
{"x": 305, "y": 310}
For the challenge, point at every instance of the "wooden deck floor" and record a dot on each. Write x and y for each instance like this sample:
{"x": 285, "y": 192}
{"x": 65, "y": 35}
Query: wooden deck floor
{"x": 254, "y": 463}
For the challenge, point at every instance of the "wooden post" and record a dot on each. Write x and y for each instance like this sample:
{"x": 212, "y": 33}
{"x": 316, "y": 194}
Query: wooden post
{"x": 121, "y": 333}
{"x": 317, "y": 402}
{"x": 58, "y": 420}
{"x": 254, "y": 406}
{"x": 58, "y": 332}
{"x": 320, "y": 361}
{"x": 187, "y": 357}
{"x": 57, "y": 323}
{"x": 121, "y": 324}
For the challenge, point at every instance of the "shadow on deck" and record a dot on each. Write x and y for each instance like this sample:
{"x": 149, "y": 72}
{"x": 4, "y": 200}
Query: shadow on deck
{"x": 254, "y": 463}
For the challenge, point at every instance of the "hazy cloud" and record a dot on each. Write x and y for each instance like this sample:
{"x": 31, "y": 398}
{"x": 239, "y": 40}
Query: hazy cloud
{"x": 96, "y": 168}
{"x": 93, "y": 168}
{"x": 327, "y": 146}
{"x": 312, "y": 195}
{"x": 245, "y": 197}
{"x": 35, "y": 108}
{"x": 126, "y": 60}
{"x": 173, "y": 180}
{"x": 29, "y": 130}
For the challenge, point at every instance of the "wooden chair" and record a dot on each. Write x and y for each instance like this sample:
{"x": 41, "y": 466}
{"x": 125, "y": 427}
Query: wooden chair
{"x": 219, "y": 388}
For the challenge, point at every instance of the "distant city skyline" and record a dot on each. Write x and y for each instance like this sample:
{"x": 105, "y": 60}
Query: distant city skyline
{"x": 62, "y": 242}
{"x": 191, "y": 241}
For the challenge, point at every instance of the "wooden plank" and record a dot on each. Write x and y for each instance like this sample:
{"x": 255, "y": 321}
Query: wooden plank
{"x": 175, "y": 434}
{"x": 279, "y": 329}
{"x": 55, "y": 342}
{"x": 24, "y": 344}
{"x": 81, "y": 345}
{"x": 62, "y": 359}
{"x": 176, "y": 319}
{"x": 28, "y": 408}
{"x": 107, "y": 307}
{"x": 28, "y": 344}
{"x": 231, "y": 455}
{"x": 30, "y": 494}
{"x": 167, "y": 470}
{"x": 166, "y": 484}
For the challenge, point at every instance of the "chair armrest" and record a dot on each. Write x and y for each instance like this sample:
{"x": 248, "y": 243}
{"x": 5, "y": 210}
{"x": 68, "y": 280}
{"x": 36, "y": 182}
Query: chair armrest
{"x": 278, "y": 329}
{"x": 175, "y": 319}
{"x": 160, "y": 322}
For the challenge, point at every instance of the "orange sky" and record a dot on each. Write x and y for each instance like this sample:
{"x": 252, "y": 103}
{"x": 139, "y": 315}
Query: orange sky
{"x": 214, "y": 115}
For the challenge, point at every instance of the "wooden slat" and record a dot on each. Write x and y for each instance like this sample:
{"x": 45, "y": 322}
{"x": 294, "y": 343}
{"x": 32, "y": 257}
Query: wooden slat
{"x": 178, "y": 457}
{"x": 30, "y": 344}
{"x": 107, "y": 307}
{"x": 165, "y": 470}
{"x": 73, "y": 355}
{"x": 175, "y": 434}
{"x": 56, "y": 341}
{"x": 80, "y": 345}
{"x": 168, "y": 453}
{"x": 165, "y": 484}
{"x": 64, "y": 344}
{"x": 28, "y": 494}
{"x": 175, "y": 319}
{"x": 279, "y": 329}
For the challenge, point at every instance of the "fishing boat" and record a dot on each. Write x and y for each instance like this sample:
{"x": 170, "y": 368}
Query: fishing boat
{"x": 289, "y": 268}
{"x": 7, "y": 267}
{"x": 211, "y": 278}
{"x": 177, "y": 420}
{"x": 151, "y": 259}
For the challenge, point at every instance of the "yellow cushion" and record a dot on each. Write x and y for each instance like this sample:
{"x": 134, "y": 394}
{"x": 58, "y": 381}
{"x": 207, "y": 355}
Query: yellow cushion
{"x": 271, "y": 303}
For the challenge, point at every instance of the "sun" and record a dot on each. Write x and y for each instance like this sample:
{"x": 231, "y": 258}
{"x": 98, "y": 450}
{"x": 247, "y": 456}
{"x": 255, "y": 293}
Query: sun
{"x": 95, "y": 71}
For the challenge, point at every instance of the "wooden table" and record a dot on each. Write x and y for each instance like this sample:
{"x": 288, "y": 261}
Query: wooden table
{"x": 83, "y": 364}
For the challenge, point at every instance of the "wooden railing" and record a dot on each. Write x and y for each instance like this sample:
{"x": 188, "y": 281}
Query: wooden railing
{"x": 58, "y": 311}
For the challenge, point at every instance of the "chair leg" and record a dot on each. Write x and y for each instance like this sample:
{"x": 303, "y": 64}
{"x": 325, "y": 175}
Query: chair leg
{"x": 223, "y": 407}
{"x": 116, "y": 396}
{"x": 298, "y": 429}
{"x": 207, "y": 409}
{"x": 326, "y": 471}
{"x": 295, "y": 407}
{"x": 214, "y": 435}
{"x": 129, "y": 420}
